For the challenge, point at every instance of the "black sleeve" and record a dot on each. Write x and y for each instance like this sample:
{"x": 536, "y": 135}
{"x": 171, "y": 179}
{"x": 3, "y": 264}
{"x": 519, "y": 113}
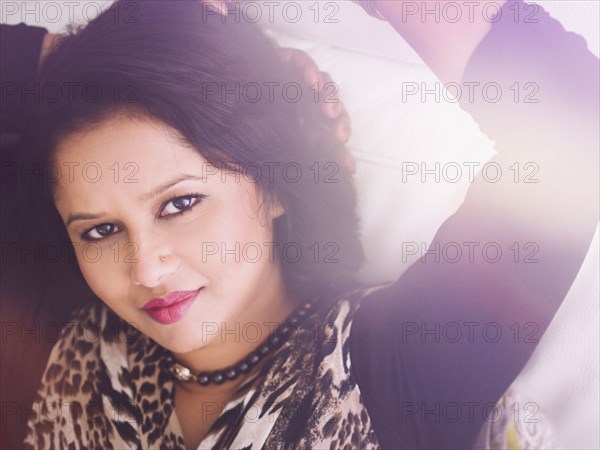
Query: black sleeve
{"x": 19, "y": 56}
{"x": 433, "y": 349}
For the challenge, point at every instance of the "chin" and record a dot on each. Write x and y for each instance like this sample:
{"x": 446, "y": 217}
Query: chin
{"x": 182, "y": 342}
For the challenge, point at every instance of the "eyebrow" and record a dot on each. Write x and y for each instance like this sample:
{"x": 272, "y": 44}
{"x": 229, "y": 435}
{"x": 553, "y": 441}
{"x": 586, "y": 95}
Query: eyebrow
{"x": 75, "y": 217}
{"x": 163, "y": 187}
{"x": 144, "y": 198}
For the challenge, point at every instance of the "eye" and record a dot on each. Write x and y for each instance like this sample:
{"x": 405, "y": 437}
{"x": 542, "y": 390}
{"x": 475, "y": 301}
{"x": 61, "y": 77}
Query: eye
{"x": 99, "y": 232}
{"x": 179, "y": 205}
{"x": 174, "y": 207}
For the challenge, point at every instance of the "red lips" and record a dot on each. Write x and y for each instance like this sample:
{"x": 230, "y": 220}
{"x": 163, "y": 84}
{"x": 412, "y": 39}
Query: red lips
{"x": 172, "y": 307}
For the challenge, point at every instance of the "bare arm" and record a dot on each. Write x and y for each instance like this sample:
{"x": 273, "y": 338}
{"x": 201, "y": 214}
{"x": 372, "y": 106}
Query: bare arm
{"x": 445, "y": 46}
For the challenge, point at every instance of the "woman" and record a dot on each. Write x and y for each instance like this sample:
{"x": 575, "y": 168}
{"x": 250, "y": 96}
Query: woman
{"x": 221, "y": 325}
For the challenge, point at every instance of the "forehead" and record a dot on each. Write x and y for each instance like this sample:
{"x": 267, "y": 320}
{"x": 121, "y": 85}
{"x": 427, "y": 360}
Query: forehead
{"x": 124, "y": 153}
{"x": 126, "y": 139}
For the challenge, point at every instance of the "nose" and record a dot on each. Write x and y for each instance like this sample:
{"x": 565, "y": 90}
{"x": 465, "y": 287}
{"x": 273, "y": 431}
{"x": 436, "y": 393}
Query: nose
{"x": 151, "y": 265}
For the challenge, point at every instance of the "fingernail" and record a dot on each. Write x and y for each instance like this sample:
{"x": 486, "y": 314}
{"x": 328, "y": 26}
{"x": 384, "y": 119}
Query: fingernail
{"x": 347, "y": 131}
{"x": 337, "y": 107}
{"x": 333, "y": 109}
{"x": 322, "y": 81}
{"x": 348, "y": 161}
{"x": 352, "y": 164}
{"x": 311, "y": 76}
{"x": 342, "y": 133}
{"x": 285, "y": 56}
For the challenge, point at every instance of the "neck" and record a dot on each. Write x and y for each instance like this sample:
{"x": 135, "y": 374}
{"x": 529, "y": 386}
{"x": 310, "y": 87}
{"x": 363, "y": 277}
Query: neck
{"x": 226, "y": 389}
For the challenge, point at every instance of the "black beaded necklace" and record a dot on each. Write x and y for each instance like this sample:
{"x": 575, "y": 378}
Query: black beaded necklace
{"x": 281, "y": 334}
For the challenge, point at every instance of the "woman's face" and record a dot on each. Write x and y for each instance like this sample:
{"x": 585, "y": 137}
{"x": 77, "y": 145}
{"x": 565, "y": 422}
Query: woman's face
{"x": 131, "y": 194}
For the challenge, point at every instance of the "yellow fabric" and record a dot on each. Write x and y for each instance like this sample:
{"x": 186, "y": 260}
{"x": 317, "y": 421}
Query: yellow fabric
{"x": 512, "y": 438}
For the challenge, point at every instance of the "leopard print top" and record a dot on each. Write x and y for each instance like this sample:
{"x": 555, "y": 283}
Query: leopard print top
{"x": 106, "y": 385}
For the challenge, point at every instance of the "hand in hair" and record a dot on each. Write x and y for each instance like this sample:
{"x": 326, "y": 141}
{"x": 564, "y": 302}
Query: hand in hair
{"x": 333, "y": 108}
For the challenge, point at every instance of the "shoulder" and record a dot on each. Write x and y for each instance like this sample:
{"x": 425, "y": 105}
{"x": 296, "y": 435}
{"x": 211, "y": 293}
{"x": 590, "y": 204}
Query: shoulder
{"x": 90, "y": 342}
{"x": 338, "y": 314}
{"x": 76, "y": 355}
{"x": 356, "y": 296}
{"x": 79, "y": 335}
{"x": 362, "y": 301}
{"x": 82, "y": 334}
{"x": 71, "y": 402}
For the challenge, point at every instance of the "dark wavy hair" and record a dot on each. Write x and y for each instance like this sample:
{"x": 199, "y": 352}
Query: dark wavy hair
{"x": 221, "y": 85}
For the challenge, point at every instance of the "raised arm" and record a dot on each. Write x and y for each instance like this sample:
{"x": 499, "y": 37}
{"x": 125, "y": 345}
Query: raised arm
{"x": 444, "y": 35}
{"x": 434, "y": 349}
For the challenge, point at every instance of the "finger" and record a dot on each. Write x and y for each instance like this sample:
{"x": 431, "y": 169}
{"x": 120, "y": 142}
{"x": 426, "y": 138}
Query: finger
{"x": 285, "y": 54}
{"x": 332, "y": 105}
{"x": 327, "y": 83}
{"x": 342, "y": 128}
{"x": 348, "y": 161}
{"x": 303, "y": 62}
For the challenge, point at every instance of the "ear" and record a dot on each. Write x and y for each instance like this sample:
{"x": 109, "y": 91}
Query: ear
{"x": 270, "y": 207}
{"x": 276, "y": 208}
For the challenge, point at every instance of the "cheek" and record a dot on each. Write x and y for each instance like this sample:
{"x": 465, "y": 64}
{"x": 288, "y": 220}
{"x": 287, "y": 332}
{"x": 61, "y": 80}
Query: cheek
{"x": 216, "y": 243}
{"x": 94, "y": 279}
{"x": 223, "y": 237}
{"x": 99, "y": 274}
